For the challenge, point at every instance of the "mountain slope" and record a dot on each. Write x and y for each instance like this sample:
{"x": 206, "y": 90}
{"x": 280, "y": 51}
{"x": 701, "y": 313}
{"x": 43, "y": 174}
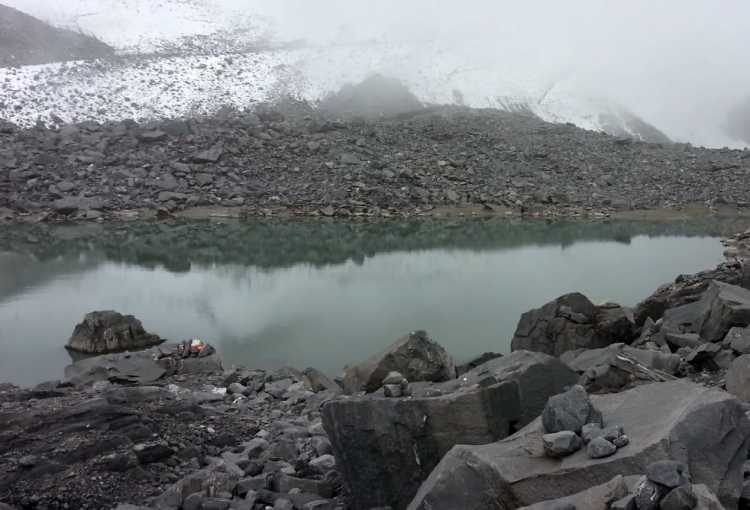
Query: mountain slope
{"x": 26, "y": 40}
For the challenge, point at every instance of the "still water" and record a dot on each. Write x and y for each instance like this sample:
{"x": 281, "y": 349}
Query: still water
{"x": 323, "y": 294}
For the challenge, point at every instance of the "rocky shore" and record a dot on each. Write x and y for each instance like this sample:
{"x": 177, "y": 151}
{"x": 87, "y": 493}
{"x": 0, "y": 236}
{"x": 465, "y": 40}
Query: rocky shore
{"x": 597, "y": 406}
{"x": 290, "y": 159}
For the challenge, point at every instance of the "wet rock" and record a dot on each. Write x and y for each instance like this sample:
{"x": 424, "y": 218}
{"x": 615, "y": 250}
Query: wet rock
{"x": 599, "y": 448}
{"x": 108, "y": 331}
{"x": 595, "y": 498}
{"x": 663, "y": 420}
{"x": 570, "y": 411}
{"x": 561, "y": 444}
{"x": 572, "y": 322}
{"x": 415, "y": 356}
{"x": 679, "y": 498}
{"x": 385, "y": 447}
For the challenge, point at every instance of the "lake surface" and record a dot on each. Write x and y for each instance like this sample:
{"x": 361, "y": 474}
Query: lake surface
{"x": 323, "y": 294}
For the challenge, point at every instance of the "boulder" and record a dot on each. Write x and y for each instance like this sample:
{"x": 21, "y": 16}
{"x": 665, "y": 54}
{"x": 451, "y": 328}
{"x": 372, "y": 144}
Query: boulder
{"x": 561, "y": 444}
{"x": 570, "y": 411}
{"x": 572, "y": 322}
{"x": 738, "y": 339}
{"x": 375, "y": 438}
{"x": 704, "y": 428}
{"x": 619, "y": 366}
{"x": 415, "y": 356}
{"x": 386, "y": 447}
{"x": 738, "y": 378}
{"x": 724, "y": 306}
{"x": 539, "y": 376}
{"x": 108, "y": 331}
{"x": 595, "y": 498}
{"x": 679, "y": 498}
{"x": 475, "y": 362}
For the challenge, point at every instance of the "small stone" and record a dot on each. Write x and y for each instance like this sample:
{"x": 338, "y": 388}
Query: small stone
{"x": 679, "y": 498}
{"x": 668, "y": 473}
{"x": 648, "y": 494}
{"x": 621, "y": 441}
{"x": 256, "y": 446}
{"x": 570, "y": 411}
{"x": 393, "y": 390}
{"x": 561, "y": 444}
{"x": 211, "y": 155}
{"x": 591, "y": 431}
{"x": 324, "y": 463}
{"x": 599, "y": 448}
{"x": 612, "y": 432}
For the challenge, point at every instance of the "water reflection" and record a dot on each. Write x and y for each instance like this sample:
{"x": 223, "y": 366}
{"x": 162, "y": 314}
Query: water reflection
{"x": 321, "y": 294}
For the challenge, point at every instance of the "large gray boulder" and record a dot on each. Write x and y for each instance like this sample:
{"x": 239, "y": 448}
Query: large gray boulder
{"x": 702, "y": 427}
{"x": 539, "y": 376}
{"x": 108, "y": 331}
{"x": 386, "y": 447}
{"x": 572, "y": 322}
{"x": 725, "y": 306}
{"x": 415, "y": 356}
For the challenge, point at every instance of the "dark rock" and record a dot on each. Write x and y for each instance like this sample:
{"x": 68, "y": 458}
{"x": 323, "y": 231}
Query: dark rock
{"x": 570, "y": 411}
{"x": 621, "y": 441}
{"x": 108, "y": 331}
{"x": 561, "y": 444}
{"x": 595, "y": 498}
{"x": 572, "y": 322}
{"x": 475, "y": 362}
{"x": 212, "y": 155}
{"x": 154, "y": 451}
{"x": 679, "y": 498}
{"x": 134, "y": 368}
{"x": 318, "y": 381}
{"x": 648, "y": 494}
{"x": 386, "y": 447}
{"x": 702, "y": 356}
{"x": 599, "y": 448}
{"x": 415, "y": 356}
{"x": 539, "y": 376}
{"x": 663, "y": 420}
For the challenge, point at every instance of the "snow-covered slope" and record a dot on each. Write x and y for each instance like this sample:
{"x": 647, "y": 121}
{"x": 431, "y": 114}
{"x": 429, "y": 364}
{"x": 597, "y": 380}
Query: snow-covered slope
{"x": 205, "y": 54}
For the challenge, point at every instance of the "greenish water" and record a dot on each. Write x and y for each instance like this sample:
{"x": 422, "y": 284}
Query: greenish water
{"x": 323, "y": 294}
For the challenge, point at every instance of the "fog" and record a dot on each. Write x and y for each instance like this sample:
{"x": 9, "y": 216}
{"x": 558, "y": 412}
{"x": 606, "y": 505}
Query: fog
{"x": 679, "y": 64}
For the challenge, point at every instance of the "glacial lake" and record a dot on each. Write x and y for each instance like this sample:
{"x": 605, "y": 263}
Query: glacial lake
{"x": 324, "y": 293}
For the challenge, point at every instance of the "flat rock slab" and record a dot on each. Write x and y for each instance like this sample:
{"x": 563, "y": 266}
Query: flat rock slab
{"x": 702, "y": 427}
{"x": 596, "y": 498}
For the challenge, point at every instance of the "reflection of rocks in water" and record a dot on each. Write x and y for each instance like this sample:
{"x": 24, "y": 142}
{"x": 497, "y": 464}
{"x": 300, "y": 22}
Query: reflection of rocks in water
{"x": 177, "y": 245}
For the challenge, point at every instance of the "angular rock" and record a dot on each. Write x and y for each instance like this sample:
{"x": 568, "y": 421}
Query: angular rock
{"x": 648, "y": 494}
{"x": 663, "y": 420}
{"x": 212, "y": 155}
{"x": 707, "y": 500}
{"x": 595, "y": 498}
{"x": 668, "y": 473}
{"x": 702, "y": 357}
{"x": 625, "y": 503}
{"x": 561, "y": 444}
{"x": 679, "y": 498}
{"x": 108, "y": 331}
{"x": 738, "y": 339}
{"x": 386, "y": 447}
{"x": 415, "y": 356}
{"x": 570, "y": 411}
{"x": 539, "y": 376}
{"x": 475, "y": 362}
{"x": 572, "y": 322}
{"x": 598, "y": 448}
{"x": 154, "y": 451}
{"x": 724, "y": 307}
{"x": 318, "y": 381}
{"x": 135, "y": 368}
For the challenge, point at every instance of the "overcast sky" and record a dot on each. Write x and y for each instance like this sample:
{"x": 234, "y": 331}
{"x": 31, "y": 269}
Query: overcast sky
{"x": 680, "y": 64}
